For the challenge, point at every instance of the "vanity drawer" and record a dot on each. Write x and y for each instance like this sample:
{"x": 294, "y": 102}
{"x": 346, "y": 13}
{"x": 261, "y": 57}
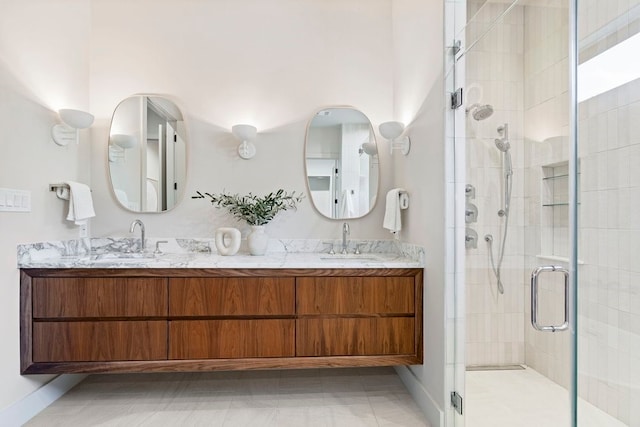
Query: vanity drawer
{"x": 202, "y": 296}
{"x": 66, "y": 297}
{"x": 228, "y": 339}
{"x": 99, "y": 341}
{"x": 355, "y": 295}
{"x": 355, "y": 336}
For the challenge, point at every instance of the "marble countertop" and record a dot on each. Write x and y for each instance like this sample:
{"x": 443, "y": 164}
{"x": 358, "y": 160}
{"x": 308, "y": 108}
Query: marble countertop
{"x": 200, "y": 253}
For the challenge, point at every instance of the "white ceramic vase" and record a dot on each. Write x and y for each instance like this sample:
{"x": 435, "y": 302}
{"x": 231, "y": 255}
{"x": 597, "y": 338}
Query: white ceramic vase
{"x": 228, "y": 240}
{"x": 257, "y": 240}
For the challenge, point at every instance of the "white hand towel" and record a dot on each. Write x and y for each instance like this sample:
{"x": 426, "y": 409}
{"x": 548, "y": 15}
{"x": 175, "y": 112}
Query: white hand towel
{"x": 392, "y": 220}
{"x": 346, "y": 205}
{"x": 80, "y": 203}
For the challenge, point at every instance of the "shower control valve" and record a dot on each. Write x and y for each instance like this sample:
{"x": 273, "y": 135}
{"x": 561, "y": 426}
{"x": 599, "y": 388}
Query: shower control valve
{"x": 470, "y": 238}
{"x": 470, "y": 191}
{"x": 470, "y": 213}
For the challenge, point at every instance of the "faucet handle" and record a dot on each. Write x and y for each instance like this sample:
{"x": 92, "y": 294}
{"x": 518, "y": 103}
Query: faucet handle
{"x": 357, "y": 251}
{"x": 331, "y": 251}
{"x": 158, "y": 251}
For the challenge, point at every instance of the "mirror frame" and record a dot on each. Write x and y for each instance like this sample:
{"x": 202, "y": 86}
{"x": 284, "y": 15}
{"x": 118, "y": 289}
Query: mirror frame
{"x": 181, "y": 195}
{"x": 306, "y": 171}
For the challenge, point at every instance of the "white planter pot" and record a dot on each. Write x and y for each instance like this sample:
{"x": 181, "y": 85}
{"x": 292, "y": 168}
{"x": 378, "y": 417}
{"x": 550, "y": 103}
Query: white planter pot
{"x": 257, "y": 240}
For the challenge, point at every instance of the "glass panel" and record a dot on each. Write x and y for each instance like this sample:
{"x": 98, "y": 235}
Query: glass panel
{"x": 515, "y": 58}
{"x": 609, "y": 224}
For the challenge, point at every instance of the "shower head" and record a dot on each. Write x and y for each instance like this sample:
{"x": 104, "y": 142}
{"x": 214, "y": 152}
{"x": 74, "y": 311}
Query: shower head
{"x": 480, "y": 112}
{"x": 503, "y": 144}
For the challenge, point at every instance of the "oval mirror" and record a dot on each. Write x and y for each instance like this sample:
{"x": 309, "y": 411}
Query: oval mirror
{"x": 147, "y": 154}
{"x": 341, "y": 159}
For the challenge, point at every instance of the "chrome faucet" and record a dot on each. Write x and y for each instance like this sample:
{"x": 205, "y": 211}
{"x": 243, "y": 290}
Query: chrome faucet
{"x": 133, "y": 227}
{"x": 345, "y": 233}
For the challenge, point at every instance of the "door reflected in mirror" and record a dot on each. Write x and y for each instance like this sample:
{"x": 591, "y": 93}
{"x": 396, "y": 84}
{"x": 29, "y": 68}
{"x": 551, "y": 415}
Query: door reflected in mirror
{"x": 147, "y": 154}
{"x": 341, "y": 159}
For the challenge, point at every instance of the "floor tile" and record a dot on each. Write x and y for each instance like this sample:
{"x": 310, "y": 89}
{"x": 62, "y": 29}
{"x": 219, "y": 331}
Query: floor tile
{"x": 369, "y": 397}
{"x": 523, "y": 398}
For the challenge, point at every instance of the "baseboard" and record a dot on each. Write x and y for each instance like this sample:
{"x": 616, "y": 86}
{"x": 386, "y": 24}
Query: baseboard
{"x": 28, "y": 407}
{"x": 434, "y": 414}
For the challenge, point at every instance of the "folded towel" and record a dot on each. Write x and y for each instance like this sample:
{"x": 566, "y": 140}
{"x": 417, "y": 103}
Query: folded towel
{"x": 346, "y": 205}
{"x": 392, "y": 220}
{"x": 80, "y": 203}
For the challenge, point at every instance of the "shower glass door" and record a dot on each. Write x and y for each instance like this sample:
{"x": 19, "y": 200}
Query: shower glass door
{"x": 516, "y": 124}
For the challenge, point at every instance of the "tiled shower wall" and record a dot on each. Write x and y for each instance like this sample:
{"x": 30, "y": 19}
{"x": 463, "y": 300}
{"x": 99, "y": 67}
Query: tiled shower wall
{"x": 609, "y": 244}
{"x": 609, "y": 217}
{"x": 494, "y": 75}
{"x": 609, "y": 202}
{"x": 533, "y": 96}
{"x": 546, "y": 119}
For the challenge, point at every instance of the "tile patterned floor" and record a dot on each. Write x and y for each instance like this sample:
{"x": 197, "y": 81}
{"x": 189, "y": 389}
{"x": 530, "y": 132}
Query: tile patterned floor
{"x": 524, "y": 398}
{"x": 324, "y": 397}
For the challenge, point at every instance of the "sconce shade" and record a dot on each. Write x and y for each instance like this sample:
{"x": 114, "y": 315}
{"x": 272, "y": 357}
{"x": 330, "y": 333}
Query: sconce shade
{"x": 246, "y": 134}
{"x": 392, "y": 132}
{"x": 123, "y": 140}
{"x": 75, "y": 118}
{"x": 369, "y": 148}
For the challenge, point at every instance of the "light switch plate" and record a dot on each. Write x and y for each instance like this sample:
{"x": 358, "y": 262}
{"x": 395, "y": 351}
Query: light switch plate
{"x": 15, "y": 200}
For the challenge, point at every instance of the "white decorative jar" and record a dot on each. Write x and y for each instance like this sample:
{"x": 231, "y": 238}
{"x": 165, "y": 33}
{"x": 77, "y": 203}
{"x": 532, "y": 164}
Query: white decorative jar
{"x": 257, "y": 240}
{"x": 228, "y": 240}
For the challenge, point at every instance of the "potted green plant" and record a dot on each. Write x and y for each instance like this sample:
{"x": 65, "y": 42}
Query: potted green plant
{"x": 255, "y": 210}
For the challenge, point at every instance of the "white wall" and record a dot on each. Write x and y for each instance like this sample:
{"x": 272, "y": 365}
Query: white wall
{"x": 271, "y": 64}
{"x": 43, "y": 67}
{"x": 419, "y": 102}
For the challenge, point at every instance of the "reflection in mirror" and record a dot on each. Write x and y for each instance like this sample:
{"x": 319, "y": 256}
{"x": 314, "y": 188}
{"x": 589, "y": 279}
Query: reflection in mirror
{"x": 147, "y": 154}
{"x": 341, "y": 163}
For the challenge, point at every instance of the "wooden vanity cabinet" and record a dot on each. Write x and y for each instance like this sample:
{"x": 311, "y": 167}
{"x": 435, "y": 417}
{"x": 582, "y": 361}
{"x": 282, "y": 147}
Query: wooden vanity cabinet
{"x": 339, "y": 316}
{"x": 146, "y": 320}
{"x": 231, "y": 317}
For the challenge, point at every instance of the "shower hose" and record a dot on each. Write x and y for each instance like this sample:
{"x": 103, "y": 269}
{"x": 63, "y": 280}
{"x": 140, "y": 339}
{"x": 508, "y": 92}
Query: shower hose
{"x": 489, "y": 239}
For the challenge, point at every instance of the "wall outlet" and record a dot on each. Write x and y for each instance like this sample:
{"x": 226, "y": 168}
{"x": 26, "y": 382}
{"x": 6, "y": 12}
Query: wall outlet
{"x": 82, "y": 230}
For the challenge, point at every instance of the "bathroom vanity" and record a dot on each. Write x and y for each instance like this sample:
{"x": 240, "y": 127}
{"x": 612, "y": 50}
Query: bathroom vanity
{"x": 95, "y": 319}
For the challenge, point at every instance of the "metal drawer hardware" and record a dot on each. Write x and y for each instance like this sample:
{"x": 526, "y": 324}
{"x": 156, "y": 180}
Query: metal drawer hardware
{"x": 534, "y": 298}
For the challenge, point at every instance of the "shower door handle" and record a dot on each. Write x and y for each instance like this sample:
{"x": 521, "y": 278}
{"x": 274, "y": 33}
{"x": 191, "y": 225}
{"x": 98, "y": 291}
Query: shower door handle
{"x": 534, "y": 298}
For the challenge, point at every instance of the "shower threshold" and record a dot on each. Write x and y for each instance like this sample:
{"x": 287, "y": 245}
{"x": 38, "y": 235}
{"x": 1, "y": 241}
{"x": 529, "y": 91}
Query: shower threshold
{"x": 495, "y": 368}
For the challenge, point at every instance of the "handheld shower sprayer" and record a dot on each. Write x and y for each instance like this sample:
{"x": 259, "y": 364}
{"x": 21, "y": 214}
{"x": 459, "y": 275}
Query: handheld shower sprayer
{"x": 503, "y": 143}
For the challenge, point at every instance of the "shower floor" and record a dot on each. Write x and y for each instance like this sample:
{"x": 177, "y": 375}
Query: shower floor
{"x": 524, "y": 398}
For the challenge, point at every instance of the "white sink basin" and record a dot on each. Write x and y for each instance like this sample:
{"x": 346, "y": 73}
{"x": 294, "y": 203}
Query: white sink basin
{"x": 354, "y": 258}
{"x": 122, "y": 258}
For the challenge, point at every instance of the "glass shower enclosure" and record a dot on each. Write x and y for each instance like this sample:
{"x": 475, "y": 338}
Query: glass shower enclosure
{"x": 548, "y": 288}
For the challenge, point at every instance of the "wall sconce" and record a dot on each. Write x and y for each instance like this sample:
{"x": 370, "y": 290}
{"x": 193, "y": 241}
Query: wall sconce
{"x": 118, "y": 143}
{"x": 72, "y": 121}
{"x": 246, "y": 134}
{"x": 368, "y": 148}
{"x": 392, "y": 132}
